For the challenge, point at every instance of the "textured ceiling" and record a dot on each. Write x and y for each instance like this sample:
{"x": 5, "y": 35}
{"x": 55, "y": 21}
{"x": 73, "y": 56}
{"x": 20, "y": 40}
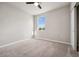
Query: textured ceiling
{"x": 33, "y": 10}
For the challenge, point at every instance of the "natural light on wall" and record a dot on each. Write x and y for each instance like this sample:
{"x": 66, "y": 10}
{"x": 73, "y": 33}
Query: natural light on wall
{"x": 41, "y": 23}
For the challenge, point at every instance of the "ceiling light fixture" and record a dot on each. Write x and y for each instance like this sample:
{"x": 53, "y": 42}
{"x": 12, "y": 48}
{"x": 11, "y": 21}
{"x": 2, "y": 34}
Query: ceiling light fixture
{"x": 36, "y": 4}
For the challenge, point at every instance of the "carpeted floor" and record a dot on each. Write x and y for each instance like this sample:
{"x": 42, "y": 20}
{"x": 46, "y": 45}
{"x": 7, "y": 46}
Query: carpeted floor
{"x": 35, "y": 48}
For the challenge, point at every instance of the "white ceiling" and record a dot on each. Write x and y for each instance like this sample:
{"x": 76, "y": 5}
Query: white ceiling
{"x": 46, "y": 6}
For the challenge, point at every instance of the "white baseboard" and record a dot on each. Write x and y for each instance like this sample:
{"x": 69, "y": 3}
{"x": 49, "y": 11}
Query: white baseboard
{"x": 54, "y": 41}
{"x": 15, "y": 42}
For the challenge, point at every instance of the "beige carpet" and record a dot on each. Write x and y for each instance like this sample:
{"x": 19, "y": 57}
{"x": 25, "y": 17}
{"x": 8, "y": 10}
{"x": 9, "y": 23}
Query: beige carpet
{"x": 35, "y": 48}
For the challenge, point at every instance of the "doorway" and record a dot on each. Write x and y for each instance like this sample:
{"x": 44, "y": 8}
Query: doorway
{"x": 77, "y": 8}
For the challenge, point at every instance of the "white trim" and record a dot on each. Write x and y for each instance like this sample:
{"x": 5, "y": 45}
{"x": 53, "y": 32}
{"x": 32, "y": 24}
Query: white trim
{"x": 55, "y": 41}
{"x": 15, "y": 42}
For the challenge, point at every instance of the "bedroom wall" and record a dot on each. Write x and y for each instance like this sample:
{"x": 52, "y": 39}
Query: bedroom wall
{"x": 15, "y": 24}
{"x": 57, "y": 26}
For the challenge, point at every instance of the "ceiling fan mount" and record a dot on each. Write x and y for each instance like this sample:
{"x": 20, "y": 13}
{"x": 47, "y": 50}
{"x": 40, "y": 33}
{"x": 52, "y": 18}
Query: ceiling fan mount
{"x": 35, "y": 3}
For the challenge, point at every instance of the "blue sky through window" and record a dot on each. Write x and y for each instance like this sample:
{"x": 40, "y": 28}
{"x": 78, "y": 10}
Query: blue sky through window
{"x": 41, "y": 22}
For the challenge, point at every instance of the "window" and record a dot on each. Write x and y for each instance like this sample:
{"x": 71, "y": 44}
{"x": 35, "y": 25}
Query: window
{"x": 41, "y": 23}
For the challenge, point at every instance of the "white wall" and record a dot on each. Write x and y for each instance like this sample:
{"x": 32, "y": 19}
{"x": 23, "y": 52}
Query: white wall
{"x": 73, "y": 26}
{"x": 57, "y": 25}
{"x": 15, "y": 24}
